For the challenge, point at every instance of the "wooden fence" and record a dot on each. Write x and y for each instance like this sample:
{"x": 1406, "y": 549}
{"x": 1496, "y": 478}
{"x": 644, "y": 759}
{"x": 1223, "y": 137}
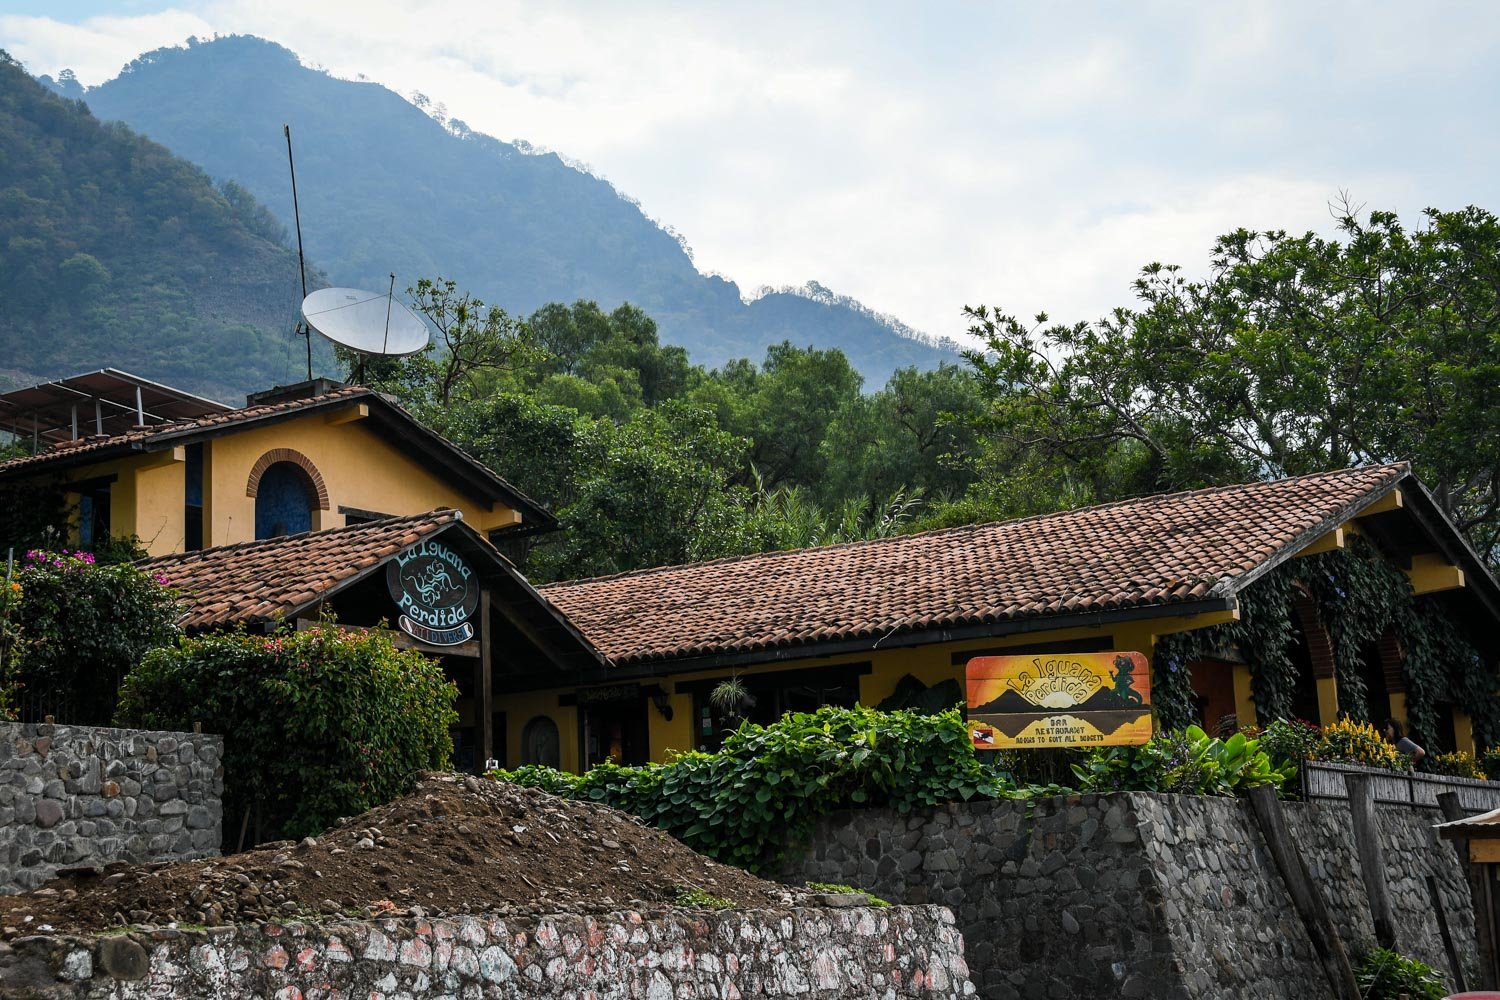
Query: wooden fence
{"x": 1326, "y": 781}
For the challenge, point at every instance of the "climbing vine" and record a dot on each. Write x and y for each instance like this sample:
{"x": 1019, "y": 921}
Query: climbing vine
{"x": 1360, "y": 598}
{"x": 1264, "y": 633}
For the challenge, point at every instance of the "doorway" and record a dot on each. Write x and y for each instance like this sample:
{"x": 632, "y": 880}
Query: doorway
{"x": 616, "y": 731}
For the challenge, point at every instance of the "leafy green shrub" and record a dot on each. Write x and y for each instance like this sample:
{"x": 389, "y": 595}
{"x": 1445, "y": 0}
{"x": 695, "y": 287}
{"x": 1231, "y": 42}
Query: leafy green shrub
{"x": 769, "y": 784}
{"x": 1489, "y": 762}
{"x": 1350, "y": 742}
{"x": 1387, "y": 975}
{"x": 10, "y": 637}
{"x": 1049, "y": 767}
{"x": 317, "y": 724}
{"x": 1186, "y": 761}
{"x": 1458, "y": 764}
{"x": 82, "y": 625}
{"x": 1288, "y": 741}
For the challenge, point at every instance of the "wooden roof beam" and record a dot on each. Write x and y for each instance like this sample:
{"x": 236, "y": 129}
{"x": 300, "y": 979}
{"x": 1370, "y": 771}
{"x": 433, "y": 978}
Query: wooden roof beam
{"x": 1431, "y": 573}
{"x": 1328, "y": 543}
{"x": 348, "y": 414}
{"x": 1391, "y": 501}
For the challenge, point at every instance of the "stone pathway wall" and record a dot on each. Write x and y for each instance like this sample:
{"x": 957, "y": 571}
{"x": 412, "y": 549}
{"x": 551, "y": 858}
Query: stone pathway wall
{"x": 84, "y": 795}
{"x": 1137, "y": 895}
{"x": 815, "y": 953}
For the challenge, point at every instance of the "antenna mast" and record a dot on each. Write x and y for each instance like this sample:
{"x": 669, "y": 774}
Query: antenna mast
{"x": 303, "y": 330}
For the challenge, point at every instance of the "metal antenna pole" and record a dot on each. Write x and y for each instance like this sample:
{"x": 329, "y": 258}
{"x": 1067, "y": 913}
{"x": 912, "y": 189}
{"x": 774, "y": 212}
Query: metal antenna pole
{"x": 301, "y": 261}
{"x": 385, "y": 345}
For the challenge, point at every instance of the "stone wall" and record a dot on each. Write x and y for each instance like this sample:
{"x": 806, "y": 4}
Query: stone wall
{"x": 1139, "y": 895}
{"x": 812, "y": 953}
{"x": 83, "y": 795}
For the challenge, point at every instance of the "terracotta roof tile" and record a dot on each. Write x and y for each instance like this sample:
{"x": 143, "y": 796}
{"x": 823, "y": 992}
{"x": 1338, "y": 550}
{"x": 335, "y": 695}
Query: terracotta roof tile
{"x": 1159, "y": 550}
{"x": 255, "y": 581}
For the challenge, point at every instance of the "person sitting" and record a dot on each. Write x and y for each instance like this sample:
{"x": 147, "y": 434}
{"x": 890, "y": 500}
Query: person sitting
{"x": 1404, "y": 744}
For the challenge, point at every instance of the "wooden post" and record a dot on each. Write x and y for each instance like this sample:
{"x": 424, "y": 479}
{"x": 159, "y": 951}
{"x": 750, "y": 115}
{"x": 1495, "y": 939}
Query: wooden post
{"x": 484, "y": 690}
{"x": 1447, "y": 935}
{"x": 1479, "y": 892}
{"x": 1371, "y": 857}
{"x": 1305, "y": 898}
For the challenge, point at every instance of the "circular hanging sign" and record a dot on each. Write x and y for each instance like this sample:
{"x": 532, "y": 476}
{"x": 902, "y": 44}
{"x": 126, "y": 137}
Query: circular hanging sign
{"x": 436, "y": 593}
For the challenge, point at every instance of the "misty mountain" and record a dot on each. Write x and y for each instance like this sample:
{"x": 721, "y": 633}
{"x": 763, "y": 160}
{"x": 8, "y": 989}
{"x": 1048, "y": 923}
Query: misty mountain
{"x": 385, "y": 186}
{"x": 114, "y": 251}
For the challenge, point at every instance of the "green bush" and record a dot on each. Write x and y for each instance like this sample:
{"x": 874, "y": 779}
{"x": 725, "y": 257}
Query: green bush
{"x": 1489, "y": 763}
{"x": 768, "y": 784}
{"x": 1387, "y": 975}
{"x": 1185, "y": 761}
{"x": 79, "y": 626}
{"x": 1288, "y": 741}
{"x": 1457, "y": 764}
{"x": 10, "y": 636}
{"x": 317, "y": 724}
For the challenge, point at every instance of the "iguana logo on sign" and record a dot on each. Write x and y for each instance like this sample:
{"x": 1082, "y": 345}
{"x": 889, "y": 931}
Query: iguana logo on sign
{"x": 1059, "y": 700}
{"x": 436, "y": 593}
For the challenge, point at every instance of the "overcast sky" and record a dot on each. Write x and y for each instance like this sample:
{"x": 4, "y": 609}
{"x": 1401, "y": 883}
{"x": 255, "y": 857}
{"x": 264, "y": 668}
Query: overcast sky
{"x": 921, "y": 156}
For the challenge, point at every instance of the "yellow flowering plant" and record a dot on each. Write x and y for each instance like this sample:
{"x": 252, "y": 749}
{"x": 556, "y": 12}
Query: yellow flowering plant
{"x": 1458, "y": 764}
{"x": 1350, "y": 742}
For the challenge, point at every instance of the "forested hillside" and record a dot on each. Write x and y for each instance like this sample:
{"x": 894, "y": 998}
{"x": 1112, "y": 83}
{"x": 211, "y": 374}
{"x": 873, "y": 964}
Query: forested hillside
{"x": 386, "y": 187}
{"x": 114, "y": 251}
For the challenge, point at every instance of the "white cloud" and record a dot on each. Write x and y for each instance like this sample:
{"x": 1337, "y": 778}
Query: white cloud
{"x": 97, "y": 48}
{"x": 1033, "y": 158}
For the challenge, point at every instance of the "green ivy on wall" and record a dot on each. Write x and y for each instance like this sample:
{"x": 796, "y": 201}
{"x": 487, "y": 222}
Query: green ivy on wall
{"x": 1360, "y": 597}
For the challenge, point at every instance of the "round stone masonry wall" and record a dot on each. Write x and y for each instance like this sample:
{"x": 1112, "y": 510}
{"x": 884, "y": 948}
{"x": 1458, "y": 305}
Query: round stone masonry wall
{"x": 74, "y": 796}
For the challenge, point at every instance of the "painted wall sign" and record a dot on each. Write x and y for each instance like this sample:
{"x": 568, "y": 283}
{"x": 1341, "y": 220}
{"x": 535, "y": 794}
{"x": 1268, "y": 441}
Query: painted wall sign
{"x": 436, "y": 593}
{"x": 1059, "y": 700}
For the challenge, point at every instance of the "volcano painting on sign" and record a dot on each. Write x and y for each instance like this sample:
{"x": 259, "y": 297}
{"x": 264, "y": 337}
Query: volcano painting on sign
{"x": 1059, "y": 700}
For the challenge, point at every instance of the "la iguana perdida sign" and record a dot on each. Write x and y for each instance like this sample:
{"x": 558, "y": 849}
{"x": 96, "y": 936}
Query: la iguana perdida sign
{"x": 436, "y": 592}
{"x": 1059, "y": 700}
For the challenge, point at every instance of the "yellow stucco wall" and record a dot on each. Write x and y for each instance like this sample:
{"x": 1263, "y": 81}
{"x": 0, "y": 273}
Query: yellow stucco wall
{"x": 930, "y": 664}
{"x": 159, "y": 506}
{"x": 520, "y": 709}
{"x": 359, "y": 469}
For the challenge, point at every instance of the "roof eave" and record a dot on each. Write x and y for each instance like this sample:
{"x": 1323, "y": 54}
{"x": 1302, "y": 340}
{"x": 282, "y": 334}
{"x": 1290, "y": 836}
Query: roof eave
{"x": 1288, "y": 550}
{"x": 656, "y": 667}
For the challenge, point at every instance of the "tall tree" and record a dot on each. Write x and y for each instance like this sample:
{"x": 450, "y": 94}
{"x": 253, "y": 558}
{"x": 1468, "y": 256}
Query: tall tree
{"x": 1297, "y": 353}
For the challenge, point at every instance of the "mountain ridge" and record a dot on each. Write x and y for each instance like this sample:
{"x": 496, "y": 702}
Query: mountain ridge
{"x": 114, "y": 251}
{"x": 386, "y": 184}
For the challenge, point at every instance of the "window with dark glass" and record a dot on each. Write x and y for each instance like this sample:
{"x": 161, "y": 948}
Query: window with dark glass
{"x": 282, "y": 501}
{"x": 93, "y": 514}
{"x": 192, "y": 510}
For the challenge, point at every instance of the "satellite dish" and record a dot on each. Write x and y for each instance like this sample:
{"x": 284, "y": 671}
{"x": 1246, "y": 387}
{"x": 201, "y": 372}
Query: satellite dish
{"x": 365, "y": 322}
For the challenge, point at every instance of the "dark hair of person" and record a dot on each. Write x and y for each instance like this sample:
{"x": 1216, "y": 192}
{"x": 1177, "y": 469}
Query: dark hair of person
{"x": 1395, "y": 726}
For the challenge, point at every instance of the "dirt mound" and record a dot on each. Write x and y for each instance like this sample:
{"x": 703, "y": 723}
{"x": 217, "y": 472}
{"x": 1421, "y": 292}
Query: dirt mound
{"x": 454, "y": 845}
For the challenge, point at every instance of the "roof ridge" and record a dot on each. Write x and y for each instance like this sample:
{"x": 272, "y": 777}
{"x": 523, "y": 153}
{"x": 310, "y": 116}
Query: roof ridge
{"x": 435, "y": 514}
{"x": 1403, "y": 466}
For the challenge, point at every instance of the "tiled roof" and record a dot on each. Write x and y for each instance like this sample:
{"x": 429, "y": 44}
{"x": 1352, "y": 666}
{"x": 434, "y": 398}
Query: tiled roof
{"x": 1154, "y": 551}
{"x": 144, "y": 438}
{"x": 256, "y": 581}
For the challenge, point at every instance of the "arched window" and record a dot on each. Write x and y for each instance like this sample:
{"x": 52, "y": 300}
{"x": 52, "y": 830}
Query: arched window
{"x": 540, "y": 743}
{"x": 284, "y": 501}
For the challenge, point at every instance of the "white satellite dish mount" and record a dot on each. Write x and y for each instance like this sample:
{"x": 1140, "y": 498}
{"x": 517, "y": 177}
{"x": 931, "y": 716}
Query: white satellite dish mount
{"x": 371, "y": 324}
